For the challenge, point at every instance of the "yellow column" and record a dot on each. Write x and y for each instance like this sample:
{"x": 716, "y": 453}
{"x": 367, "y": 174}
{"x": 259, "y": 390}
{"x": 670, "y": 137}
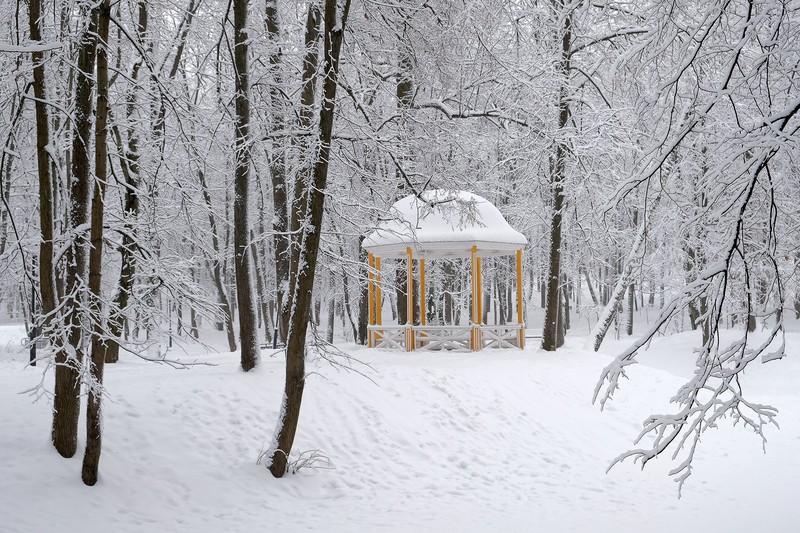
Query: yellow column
{"x": 370, "y": 296}
{"x": 479, "y": 283}
{"x": 473, "y": 337}
{"x": 422, "y": 318}
{"x": 519, "y": 300}
{"x": 410, "y": 302}
{"x": 480, "y": 291}
{"x": 378, "y": 296}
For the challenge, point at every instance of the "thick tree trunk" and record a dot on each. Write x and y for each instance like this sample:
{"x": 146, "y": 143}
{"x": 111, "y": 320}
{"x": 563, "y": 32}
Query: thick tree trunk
{"x": 47, "y": 286}
{"x": 296, "y": 340}
{"x": 94, "y": 430}
{"x": 551, "y": 332}
{"x": 69, "y": 358}
{"x": 248, "y": 329}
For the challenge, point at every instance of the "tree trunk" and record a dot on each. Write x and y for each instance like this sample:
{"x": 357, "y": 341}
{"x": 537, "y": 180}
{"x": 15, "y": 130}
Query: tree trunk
{"x": 347, "y": 307}
{"x": 565, "y": 290}
{"x": 248, "y": 329}
{"x": 296, "y": 340}
{"x": 610, "y": 311}
{"x": 629, "y": 315}
{"x": 47, "y": 286}
{"x": 550, "y": 333}
{"x": 363, "y": 292}
{"x": 69, "y": 359}
{"x": 277, "y": 167}
{"x": 94, "y": 430}
{"x": 331, "y": 320}
{"x": 589, "y": 284}
{"x": 261, "y": 287}
{"x": 299, "y": 206}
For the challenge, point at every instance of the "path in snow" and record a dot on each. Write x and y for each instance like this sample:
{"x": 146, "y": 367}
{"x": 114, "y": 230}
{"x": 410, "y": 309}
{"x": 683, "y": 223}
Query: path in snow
{"x": 495, "y": 441}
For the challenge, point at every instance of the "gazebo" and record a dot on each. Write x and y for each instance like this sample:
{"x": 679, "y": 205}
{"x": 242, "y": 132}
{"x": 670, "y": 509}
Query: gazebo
{"x": 442, "y": 224}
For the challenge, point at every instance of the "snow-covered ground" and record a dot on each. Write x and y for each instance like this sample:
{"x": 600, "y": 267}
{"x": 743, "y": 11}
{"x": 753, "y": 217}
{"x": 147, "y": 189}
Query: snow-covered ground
{"x": 494, "y": 441}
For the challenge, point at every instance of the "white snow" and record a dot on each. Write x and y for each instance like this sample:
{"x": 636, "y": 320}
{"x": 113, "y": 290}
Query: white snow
{"x": 443, "y": 224}
{"x": 28, "y": 48}
{"x": 493, "y": 441}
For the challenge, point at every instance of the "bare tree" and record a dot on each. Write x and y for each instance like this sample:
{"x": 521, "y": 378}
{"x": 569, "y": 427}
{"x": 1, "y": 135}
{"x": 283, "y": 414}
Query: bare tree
{"x": 289, "y": 413}
{"x": 69, "y": 354}
{"x": 94, "y": 430}
{"x": 747, "y": 130}
{"x": 248, "y": 329}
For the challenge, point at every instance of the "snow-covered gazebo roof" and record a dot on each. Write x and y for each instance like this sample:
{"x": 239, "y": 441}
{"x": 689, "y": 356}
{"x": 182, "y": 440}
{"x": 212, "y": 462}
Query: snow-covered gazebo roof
{"x": 443, "y": 224}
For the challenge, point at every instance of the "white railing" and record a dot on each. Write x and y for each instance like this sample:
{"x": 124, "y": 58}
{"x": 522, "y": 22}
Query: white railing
{"x": 502, "y": 336}
{"x": 388, "y": 336}
{"x": 456, "y": 338}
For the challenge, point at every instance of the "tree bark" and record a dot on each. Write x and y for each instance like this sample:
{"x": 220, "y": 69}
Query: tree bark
{"x": 331, "y": 319}
{"x": 363, "y": 296}
{"x": 299, "y": 206}
{"x": 277, "y": 167}
{"x": 248, "y": 329}
{"x": 69, "y": 358}
{"x": 94, "y": 430}
{"x": 47, "y": 286}
{"x": 551, "y": 338}
{"x": 296, "y": 340}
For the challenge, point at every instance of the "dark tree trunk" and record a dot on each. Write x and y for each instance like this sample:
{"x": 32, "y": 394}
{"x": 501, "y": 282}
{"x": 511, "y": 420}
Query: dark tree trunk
{"x": 542, "y": 294}
{"x": 565, "y": 292}
{"x": 296, "y": 340}
{"x": 299, "y": 207}
{"x": 248, "y": 329}
{"x": 94, "y": 430}
{"x": 47, "y": 286}
{"x": 277, "y": 166}
{"x": 551, "y": 333}
{"x": 363, "y": 293}
{"x": 66, "y": 402}
{"x": 629, "y": 314}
